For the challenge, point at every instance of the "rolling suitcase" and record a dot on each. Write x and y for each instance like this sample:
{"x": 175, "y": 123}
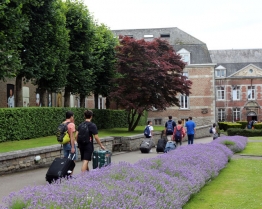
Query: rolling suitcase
{"x": 101, "y": 158}
{"x": 161, "y": 144}
{"x": 146, "y": 145}
{"x": 60, "y": 168}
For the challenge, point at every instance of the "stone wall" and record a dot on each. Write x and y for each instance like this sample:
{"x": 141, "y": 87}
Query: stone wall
{"x": 22, "y": 160}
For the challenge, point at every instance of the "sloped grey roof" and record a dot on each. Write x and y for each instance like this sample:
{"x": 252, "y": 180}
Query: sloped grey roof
{"x": 199, "y": 53}
{"x": 177, "y": 36}
{"x": 236, "y": 56}
{"x": 234, "y": 67}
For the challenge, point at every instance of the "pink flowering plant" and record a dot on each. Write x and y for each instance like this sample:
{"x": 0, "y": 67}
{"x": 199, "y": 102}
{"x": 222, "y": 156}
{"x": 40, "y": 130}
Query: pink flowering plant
{"x": 166, "y": 181}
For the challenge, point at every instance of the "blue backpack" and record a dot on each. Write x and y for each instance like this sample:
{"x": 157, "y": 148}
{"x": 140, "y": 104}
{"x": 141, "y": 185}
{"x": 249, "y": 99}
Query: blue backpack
{"x": 169, "y": 127}
{"x": 169, "y": 146}
{"x": 147, "y": 131}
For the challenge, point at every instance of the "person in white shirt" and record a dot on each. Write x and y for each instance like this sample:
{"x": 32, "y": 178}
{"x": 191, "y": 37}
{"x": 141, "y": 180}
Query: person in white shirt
{"x": 215, "y": 135}
{"x": 11, "y": 99}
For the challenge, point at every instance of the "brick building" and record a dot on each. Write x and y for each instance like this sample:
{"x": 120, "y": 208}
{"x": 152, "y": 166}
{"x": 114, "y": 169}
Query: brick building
{"x": 227, "y": 84}
{"x": 238, "y": 80}
{"x": 200, "y": 104}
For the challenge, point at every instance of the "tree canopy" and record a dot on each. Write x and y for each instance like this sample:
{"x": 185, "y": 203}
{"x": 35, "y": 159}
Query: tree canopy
{"x": 151, "y": 75}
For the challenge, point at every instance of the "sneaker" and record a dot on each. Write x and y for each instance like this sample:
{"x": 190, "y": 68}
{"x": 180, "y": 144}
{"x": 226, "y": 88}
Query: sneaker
{"x": 151, "y": 150}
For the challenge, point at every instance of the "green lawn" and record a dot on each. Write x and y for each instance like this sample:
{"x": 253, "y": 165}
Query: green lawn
{"x": 51, "y": 140}
{"x": 238, "y": 186}
{"x": 255, "y": 138}
{"x": 253, "y": 148}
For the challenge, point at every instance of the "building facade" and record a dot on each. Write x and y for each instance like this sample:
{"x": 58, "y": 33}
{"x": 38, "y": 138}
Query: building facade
{"x": 200, "y": 104}
{"x": 238, "y": 81}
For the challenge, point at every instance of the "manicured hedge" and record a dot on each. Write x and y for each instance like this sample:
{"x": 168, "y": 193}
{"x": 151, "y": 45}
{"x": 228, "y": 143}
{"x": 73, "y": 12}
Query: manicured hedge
{"x": 243, "y": 124}
{"x": 227, "y": 125}
{"x": 244, "y": 132}
{"x": 33, "y": 122}
{"x": 257, "y": 126}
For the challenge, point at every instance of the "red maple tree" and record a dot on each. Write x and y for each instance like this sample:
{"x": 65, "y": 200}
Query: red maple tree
{"x": 150, "y": 75}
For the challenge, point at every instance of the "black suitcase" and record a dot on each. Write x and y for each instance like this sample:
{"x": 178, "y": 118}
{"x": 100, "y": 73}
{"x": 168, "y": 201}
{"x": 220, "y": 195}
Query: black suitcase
{"x": 101, "y": 158}
{"x": 146, "y": 145}
{"x": 161, "y": 144}
{"x": 60, "y": 168}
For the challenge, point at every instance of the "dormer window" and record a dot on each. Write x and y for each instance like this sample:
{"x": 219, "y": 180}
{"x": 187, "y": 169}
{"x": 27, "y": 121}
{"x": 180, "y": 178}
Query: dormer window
{"x": 220, "y": 71}
{"x": 185, "y": 55}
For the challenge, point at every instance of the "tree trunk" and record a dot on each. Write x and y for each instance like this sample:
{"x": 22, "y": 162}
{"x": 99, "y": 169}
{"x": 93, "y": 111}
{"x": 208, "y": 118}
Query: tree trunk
{"x": 107, "y": 103}
{"x": 82, "y": 101}
{"x": 43, "y": 97}
{"x": 18, "y": 93}
{"x": 67, "y": 97}
{"x": 96, "y": 100}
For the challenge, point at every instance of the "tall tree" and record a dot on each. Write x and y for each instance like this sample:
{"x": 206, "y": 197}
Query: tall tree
{"x": 80, "y": 78}
{"x": 54, "y": 79}
{"x": 12, "y": 26}
{"x": 43, "y": 46}
{"x": 151, "y": 75}
{"x": 104, "y": 60}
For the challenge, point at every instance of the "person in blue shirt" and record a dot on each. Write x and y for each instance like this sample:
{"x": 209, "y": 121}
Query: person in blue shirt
{"x": 191, "y": 129}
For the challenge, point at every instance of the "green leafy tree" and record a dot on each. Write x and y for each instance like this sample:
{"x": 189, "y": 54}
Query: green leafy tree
{"x": 80, "y": 78}
{"x": 55, "y": 78}
{"x": 151, "y": 75}
{"x": 12, "y": 26}
{"x": 104, "y": 60}
{"x": 43, "y": 47}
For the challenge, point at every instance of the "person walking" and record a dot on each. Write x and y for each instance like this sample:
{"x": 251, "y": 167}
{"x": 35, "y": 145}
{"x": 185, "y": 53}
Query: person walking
{"x": 148, "y": 132}
{"x": 70, "y": 147}
{"x": 86, "y": 148}
{"x": 169, "y": 128}
{"x": 179, "y": 133}
{"x": 191, "y": 128}
{"x": 214, "y": 131}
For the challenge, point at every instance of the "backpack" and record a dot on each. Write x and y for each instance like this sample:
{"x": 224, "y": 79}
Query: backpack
{"x": 169, "y": 146}
{"x": 169, "y": 127}
{"x": 62, "y": 135}
{"x": 83, "y": 133}
{"x": 210, "y": 130}
{"x": 178, "y": 134}
{"x": 147, "y": 131}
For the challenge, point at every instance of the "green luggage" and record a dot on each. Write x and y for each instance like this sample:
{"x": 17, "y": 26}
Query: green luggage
{"x": 101, "y": 158}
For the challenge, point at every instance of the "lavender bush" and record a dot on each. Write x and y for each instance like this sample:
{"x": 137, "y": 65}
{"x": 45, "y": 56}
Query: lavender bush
{"x": 166, "y": 181}
{"x": 235, "y": 143}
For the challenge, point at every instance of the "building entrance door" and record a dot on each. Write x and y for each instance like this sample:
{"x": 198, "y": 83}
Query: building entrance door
{"x": 251, "y": 116}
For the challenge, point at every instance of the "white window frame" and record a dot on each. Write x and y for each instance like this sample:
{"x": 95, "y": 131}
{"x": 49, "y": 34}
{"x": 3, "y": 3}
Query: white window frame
{"x": 220, "y": 93}
{"x": 184, "y": 101}
{"x": 236, "y": 93}
{"x": 251, "y": 91}
{"x": 236, "y": 114}
{"x": 101, "y": 101}
{"x": 220, "y": 73}
{"x": 221, "y": 114}
{"x": 185, "y": 55}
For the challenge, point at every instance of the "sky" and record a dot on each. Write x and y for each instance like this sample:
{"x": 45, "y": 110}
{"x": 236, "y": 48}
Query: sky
{"x": 221, "y": 24}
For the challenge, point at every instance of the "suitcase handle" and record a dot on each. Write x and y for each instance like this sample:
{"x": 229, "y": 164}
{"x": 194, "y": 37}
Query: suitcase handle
{"x": 69, "y": 156}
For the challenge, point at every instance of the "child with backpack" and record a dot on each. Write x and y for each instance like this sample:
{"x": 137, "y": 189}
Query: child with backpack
{"x": 179, "y": 133}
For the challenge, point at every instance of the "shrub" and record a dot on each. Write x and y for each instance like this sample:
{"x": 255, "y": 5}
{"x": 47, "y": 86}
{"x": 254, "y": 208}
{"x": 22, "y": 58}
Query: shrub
{"x": 235, "y": 143}
{"x": 257, "y": 125}
{"x": 33, "y": 122}
{"x": 244, "y": 132}
{"x": 243, "y": 124}
{"x": 166, "y": 181}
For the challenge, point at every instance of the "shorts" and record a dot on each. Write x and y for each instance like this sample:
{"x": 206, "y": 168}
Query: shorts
{"x": 86, "y": 151}
{"x": 67, "y": 151}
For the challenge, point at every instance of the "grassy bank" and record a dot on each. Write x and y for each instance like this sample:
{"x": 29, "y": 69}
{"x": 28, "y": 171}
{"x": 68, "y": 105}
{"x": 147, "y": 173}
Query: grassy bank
{"x": 236, "y": 186}
{"x": 51, "y": 140}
